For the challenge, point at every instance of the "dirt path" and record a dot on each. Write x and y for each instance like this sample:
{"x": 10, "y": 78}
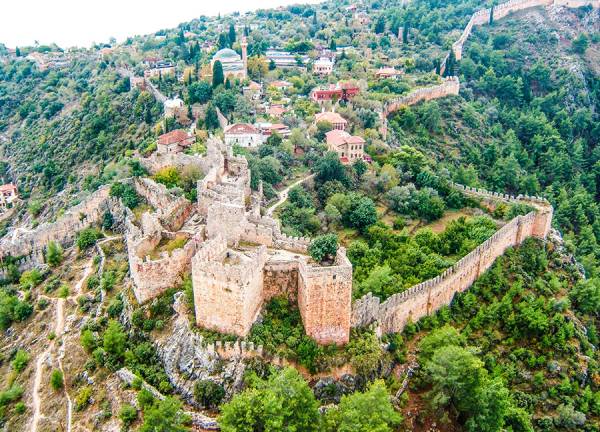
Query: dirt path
{"x": 283, "y": 195}
{"x": 59, "y": 328}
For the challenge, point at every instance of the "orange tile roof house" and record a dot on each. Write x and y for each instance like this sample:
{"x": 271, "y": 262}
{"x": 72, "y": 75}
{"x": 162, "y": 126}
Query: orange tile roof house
{"x": 337, "y": 121}
{"x": 349, "y": 148}
{"x": 174, "y": 142}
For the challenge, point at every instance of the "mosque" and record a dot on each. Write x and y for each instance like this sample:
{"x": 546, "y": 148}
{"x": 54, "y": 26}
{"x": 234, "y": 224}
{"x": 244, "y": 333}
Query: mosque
{"x": 234, "y": 66}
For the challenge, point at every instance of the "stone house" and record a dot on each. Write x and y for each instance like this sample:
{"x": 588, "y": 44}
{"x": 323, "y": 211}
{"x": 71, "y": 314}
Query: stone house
{"x": 174, "y": 142}
{"x": 349, "y": 148}
{"x": 173, "y": 107}
{"x": 323, "y": 66}
{"x": 8, "y": 194}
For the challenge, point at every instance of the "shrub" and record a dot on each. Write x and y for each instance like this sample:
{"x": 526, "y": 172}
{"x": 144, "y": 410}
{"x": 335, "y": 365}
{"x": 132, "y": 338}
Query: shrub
{"x": 127, "y": 193}
{"x": 83, "y": 398}
{"x": 208, "y": 393}
{"x": 87, "y": 238}
{"x": 323, "y": 247}
{"x": 56, "y": 380}
{"x": 20, "y": 361}
{"x": 54, "y": 254}
{"x": 128, "y": 415}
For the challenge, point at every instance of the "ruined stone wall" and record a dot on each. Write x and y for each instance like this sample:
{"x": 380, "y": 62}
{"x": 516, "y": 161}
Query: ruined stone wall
{"x": 281, "y": 279}
{"x": 427, "y": 297}
{"x": 325, "y": 299}
{"x": 23, "y": 242}
{"x": 172, "y": 210}
{"x": 227, "y": 297}
{"x": 450, "y": 86}
{"x": 180, "y": 161}
{"x": 226, "y": 220}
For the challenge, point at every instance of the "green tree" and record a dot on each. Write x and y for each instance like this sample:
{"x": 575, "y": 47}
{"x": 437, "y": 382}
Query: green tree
{"x": 211, "y": 119}
{"x": 126, "y": 193}
{"x": 218, "y": 77}
{"x": 20, "y": 360}
{"x": 363, "y": 412}
{"x": 199, "y": 92}
{"x": 362, "y": 214}
{"x": 380, "y": 25}
{"x": 128, "y": 414}
{"x": 208, "y": 393}
{"x": 323, "y": 247}
{"x": 586, "y": 296}
{"x": 284, "y": 402}
{"x": 54, "y": 254}
{"x": 231, "y": 35}
{"x": 330, "y": 168}
{"x": 165, "y": 415}
{"x": 581, "y": 44}
{"x": 114, "y": 340}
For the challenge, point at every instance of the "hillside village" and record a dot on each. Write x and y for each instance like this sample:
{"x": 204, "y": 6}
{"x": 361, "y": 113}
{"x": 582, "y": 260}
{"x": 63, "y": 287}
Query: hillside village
{"x": 342, "y": 201}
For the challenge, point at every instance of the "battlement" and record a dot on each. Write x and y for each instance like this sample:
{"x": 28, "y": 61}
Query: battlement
{"x": 428, "y": 296}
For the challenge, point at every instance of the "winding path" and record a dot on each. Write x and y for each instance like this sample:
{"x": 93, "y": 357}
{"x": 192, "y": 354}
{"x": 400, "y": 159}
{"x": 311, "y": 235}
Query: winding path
{"x": 59, "y": 330}
{"x": 283, "y": 195}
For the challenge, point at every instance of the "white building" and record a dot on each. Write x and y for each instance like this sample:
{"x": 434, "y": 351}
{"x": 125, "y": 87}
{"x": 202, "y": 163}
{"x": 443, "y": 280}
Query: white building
{"x": 323, "y": 66}
{"x": 173, "y": 107}
{"x": 243, "y": 135}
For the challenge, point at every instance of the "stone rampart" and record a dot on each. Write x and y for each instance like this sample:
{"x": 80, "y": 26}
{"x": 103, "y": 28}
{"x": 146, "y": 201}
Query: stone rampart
{"x": 482, "y": 16}
{"x": 449, "y": 86}
{"x": 429, "y": 296}
{"x": 325, "y": 299}
{"x": 31, "y": 243}
{"x": 281, "y": 279}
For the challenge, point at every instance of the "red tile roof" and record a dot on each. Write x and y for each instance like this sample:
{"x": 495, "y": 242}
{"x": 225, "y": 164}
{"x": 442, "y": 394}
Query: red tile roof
{"x": 8, "y": 187}
{"x": 241, "y": 129}
{"x": 173, "y": 137}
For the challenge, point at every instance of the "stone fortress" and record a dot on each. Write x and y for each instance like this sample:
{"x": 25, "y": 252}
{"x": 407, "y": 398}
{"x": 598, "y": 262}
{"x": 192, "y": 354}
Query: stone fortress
{"x": 238, "y": 259}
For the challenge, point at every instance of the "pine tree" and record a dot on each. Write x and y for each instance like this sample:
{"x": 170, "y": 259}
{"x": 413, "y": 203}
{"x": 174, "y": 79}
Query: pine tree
{"x": 211, "y": 120}
{"x": 218, "y": 77}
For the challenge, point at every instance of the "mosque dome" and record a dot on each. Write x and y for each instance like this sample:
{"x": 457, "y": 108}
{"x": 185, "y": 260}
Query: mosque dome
{"x": 226, "y": 54}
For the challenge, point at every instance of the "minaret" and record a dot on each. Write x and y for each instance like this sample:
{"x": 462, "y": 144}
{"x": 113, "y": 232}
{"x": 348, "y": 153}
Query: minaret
{"x": 244, "y": 45}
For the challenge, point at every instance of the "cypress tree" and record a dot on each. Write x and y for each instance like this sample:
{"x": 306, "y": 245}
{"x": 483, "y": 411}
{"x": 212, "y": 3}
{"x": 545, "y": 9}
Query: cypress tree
{"x": 405, "y": 32}
{"x": 231, "y": 34}
{"x": 218, "y": 77}
{"x": 492, "y": 15}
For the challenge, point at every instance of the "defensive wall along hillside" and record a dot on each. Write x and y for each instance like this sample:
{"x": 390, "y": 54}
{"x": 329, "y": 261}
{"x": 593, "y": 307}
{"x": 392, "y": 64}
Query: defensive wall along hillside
{"x": 429, "y": 296}
{"x": 482, "y": 17}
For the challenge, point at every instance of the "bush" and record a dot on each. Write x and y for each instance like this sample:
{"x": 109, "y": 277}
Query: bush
{"x": 56, "y": 380}
{"x": 323, "y": 247}
{"x": 54, "y": 254}
{"x": 128, "y": 414}
{"x": 20, "y": 361}
{"x": 127, "y": 193}
{"x": 83, "y": 398}
{"x": 87, "y": 238}
{"x": 208, "y": 393}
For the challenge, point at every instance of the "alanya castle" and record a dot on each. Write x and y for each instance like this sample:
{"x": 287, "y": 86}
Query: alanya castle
{"x": 239, "y": 258}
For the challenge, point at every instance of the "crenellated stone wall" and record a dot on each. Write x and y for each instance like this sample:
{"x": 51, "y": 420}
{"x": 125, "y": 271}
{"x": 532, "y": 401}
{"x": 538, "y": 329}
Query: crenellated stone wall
{"x": 449, "y": 86}
{"x": 427, "y": 297}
